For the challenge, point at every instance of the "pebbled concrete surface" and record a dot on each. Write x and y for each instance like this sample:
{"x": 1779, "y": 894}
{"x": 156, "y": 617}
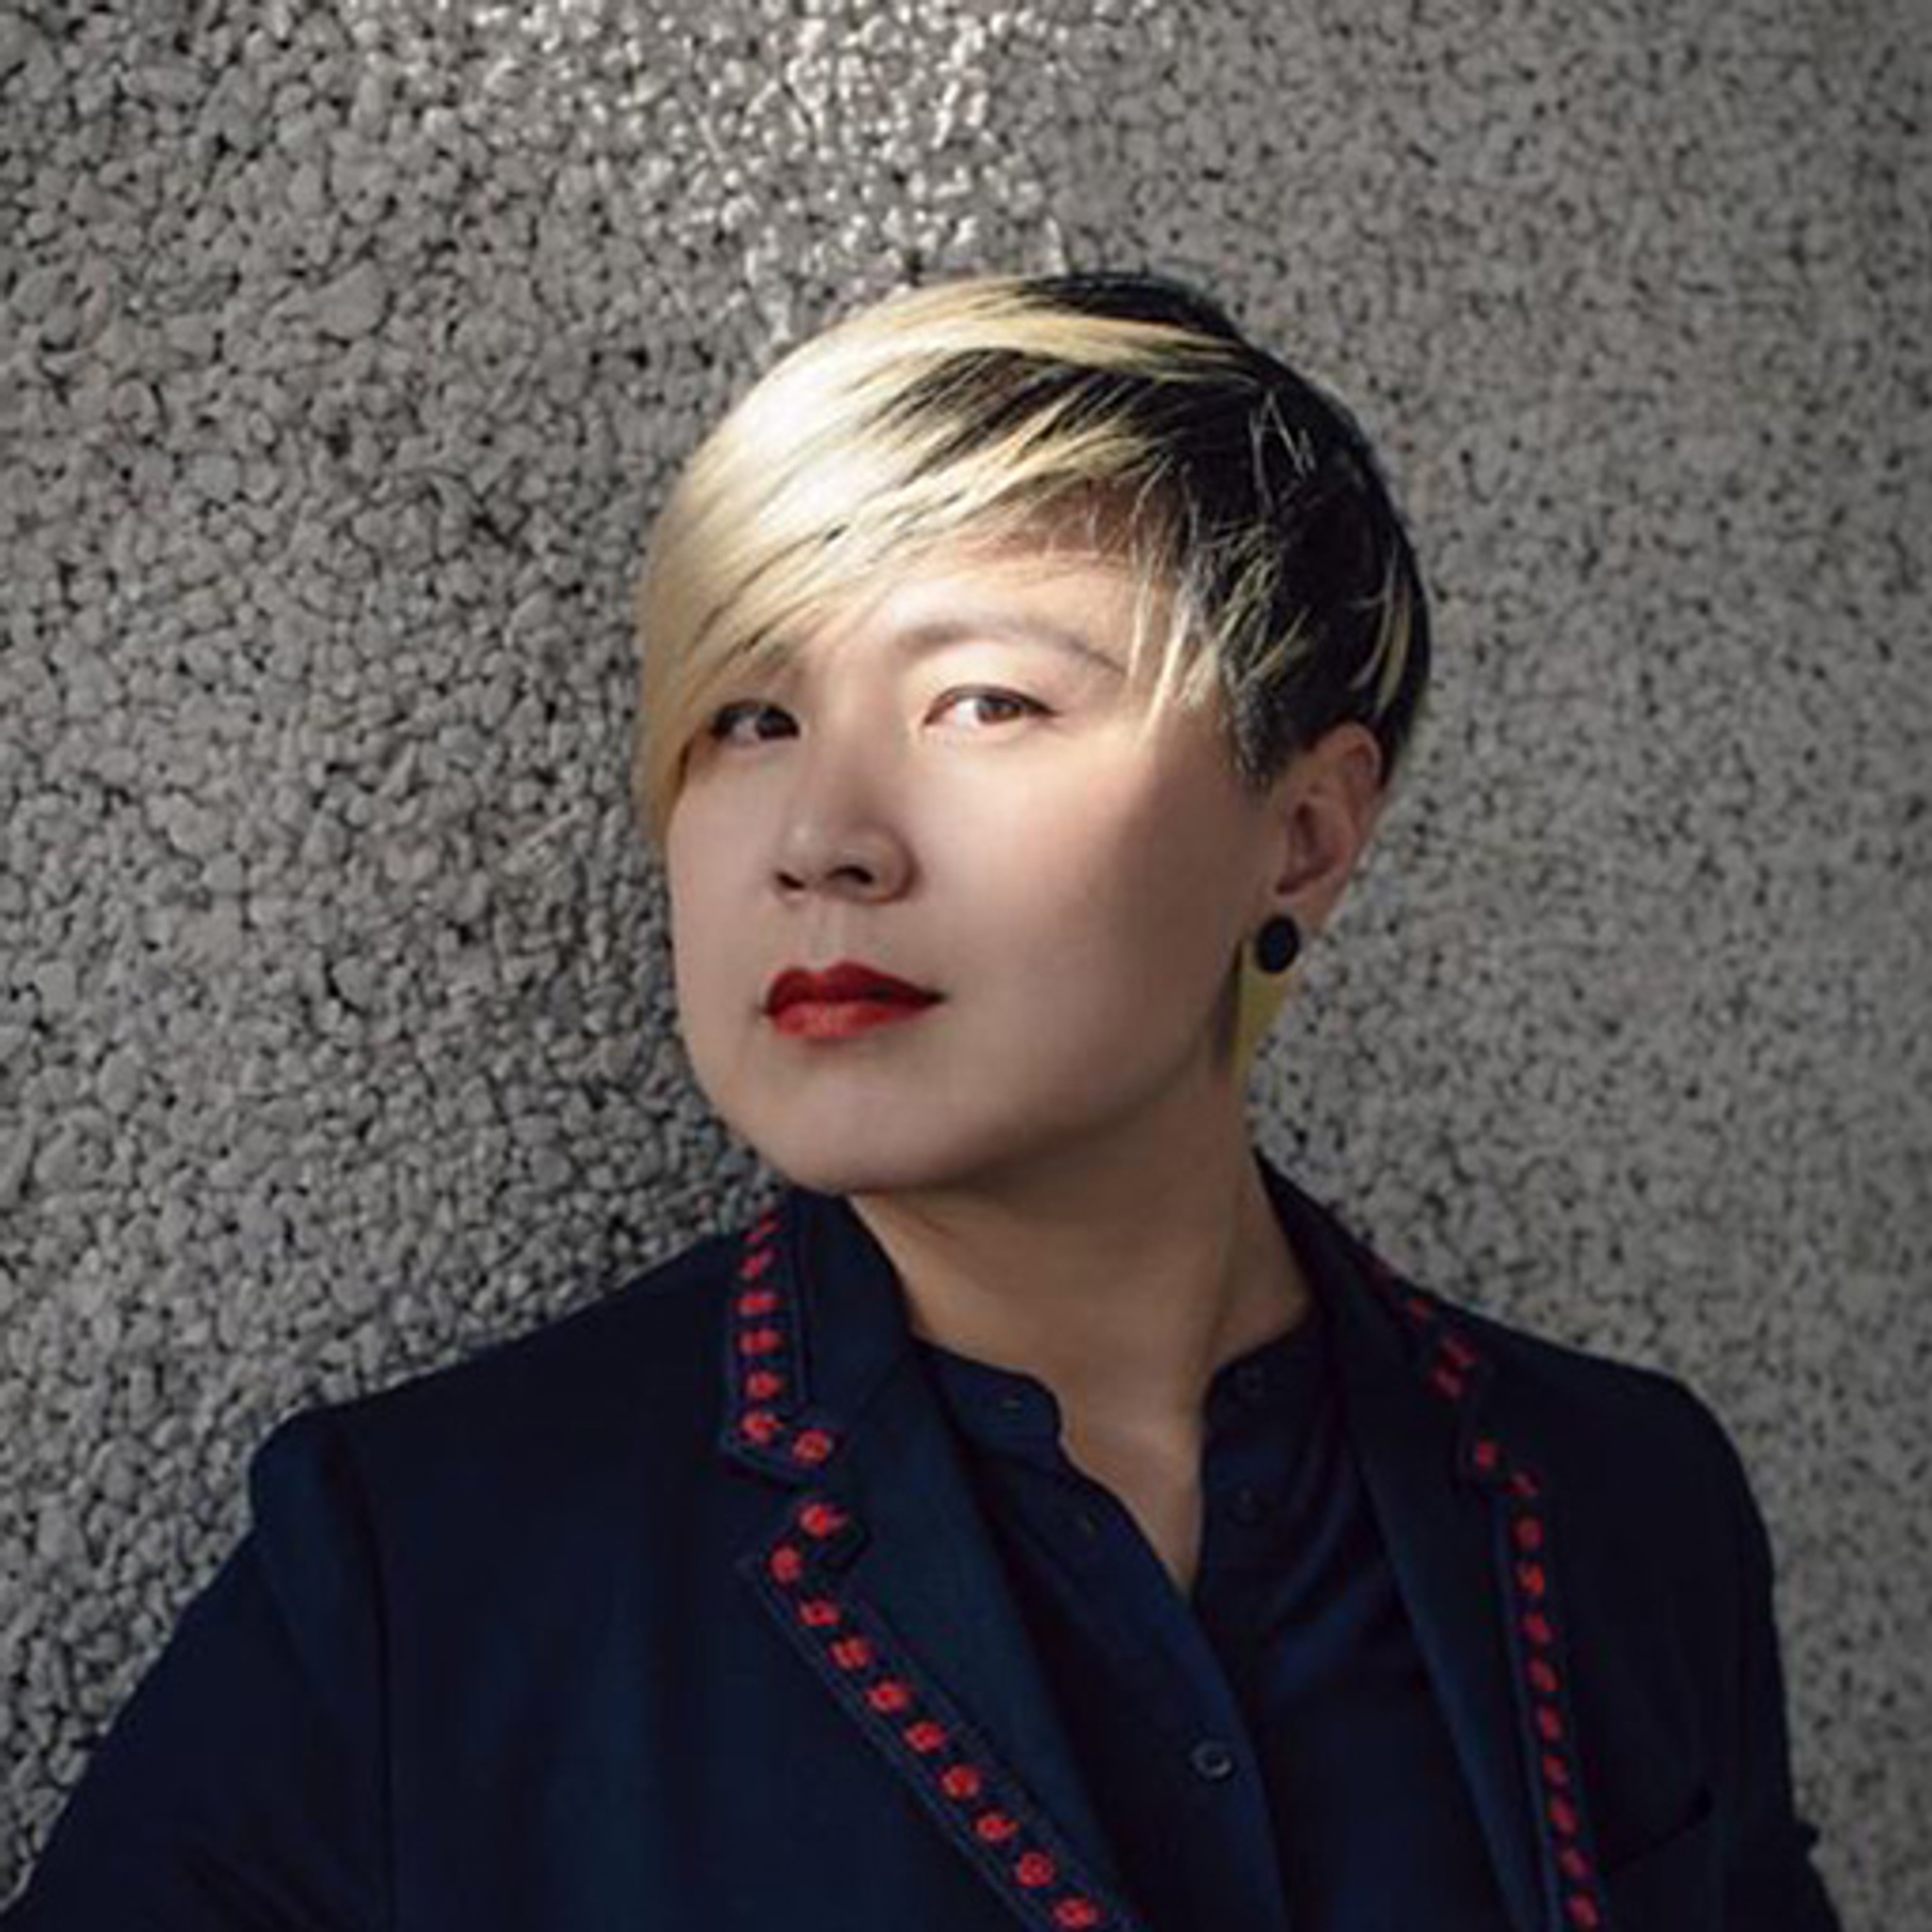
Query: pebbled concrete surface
{"x": 345, "y": 351}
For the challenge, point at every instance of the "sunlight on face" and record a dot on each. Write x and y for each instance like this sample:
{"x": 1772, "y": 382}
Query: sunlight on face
{"x": 943, "y": 787}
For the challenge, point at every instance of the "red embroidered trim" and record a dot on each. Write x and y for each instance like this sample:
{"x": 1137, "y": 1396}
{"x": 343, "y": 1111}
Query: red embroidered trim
{"x": 980, "y": 1802}
{"x": 1539, "y": 1650}
{"x": 764, "y": 1359}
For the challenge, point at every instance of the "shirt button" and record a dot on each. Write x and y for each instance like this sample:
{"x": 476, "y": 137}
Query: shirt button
{"x": 1212, "y": 1759}
{"x": 1013, "y": 1405}
{"x": 1247, "y": 1505}
{"x": 1249, "y": 1381}
{"x": 1087, "y": 1525}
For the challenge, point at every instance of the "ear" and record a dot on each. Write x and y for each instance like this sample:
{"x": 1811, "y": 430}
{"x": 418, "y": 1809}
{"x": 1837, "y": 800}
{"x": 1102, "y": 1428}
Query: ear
{"x": 1327, "y": 804}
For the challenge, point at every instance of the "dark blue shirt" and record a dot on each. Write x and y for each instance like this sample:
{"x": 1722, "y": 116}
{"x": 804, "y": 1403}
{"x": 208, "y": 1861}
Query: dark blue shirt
{"x": 1266, "y": 1753}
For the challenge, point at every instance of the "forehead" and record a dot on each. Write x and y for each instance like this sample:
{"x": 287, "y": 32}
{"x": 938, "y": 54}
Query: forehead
{"x": 1079, "y": 604}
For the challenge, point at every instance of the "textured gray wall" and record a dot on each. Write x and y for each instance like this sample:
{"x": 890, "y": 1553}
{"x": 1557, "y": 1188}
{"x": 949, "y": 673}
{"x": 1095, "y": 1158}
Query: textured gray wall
{"x": 347, "y": 350}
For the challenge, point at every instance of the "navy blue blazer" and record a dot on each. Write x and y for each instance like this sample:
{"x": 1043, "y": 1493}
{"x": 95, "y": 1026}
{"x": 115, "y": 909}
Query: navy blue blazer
{"x": 677, "y": 1614}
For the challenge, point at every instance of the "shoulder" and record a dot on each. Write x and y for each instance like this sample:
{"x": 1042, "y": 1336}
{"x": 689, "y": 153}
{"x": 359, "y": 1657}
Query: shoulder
{"x": 1594, "y": 1388}
{"x": 1613, "y": 1442}
{"x": 553, "y": 1417}
{"x": 1550, "y": 1403}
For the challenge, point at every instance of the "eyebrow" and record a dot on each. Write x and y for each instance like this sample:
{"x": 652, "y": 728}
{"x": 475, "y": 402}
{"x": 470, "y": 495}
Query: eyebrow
{"x": 934, "y": 633}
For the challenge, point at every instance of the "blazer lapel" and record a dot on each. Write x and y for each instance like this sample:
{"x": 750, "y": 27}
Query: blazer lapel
{"x": 1468, "y": 1527}
{"x": 877, "y": 1570}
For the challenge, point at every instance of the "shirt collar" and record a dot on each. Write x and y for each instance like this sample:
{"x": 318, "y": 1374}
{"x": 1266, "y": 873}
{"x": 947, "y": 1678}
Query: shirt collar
{"x": 1269, "y": 1388}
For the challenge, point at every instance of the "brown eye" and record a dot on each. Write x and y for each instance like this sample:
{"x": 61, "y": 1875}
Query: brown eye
{"x": 987, "y": 694}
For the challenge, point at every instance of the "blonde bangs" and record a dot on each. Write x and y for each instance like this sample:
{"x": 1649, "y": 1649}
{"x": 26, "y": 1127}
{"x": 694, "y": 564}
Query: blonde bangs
{"x": 832, "y": 475}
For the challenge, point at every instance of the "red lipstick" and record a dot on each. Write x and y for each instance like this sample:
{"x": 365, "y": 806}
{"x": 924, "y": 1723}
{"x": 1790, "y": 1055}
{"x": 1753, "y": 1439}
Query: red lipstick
{"x": 846, "y": 997}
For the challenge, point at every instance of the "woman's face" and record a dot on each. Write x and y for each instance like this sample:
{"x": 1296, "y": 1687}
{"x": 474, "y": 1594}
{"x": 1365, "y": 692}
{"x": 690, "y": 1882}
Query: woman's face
{"x": 1075, "y": 897}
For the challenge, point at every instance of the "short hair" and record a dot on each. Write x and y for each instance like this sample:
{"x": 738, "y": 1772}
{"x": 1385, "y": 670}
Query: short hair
{"x": 999, "y": 407}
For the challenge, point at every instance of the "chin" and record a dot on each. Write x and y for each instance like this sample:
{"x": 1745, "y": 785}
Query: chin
{"x": 843, "y": 1170}
{"x": 853, "y": 1149}
{"x": 882, "y": 1151}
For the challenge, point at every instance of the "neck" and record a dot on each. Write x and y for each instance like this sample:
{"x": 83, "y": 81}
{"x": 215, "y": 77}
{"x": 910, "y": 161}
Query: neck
{"x": 1122, "y": 1283}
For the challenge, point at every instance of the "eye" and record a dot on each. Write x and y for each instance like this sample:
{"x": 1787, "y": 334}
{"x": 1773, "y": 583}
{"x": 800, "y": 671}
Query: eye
{"x": 719, "y": 728}
{"x": 987, "y": 694}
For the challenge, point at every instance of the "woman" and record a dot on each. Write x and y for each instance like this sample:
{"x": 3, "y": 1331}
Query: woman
{"x": 1044, "y": 1512}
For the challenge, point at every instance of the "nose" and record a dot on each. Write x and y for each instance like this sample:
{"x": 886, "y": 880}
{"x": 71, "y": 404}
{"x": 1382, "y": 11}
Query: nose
{"x": 854, "y": 864}
{"x": 839, "y": 835}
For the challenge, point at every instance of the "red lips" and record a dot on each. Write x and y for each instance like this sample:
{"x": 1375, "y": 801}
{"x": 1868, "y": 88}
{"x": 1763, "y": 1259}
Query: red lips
{"x": 844, "y": 979}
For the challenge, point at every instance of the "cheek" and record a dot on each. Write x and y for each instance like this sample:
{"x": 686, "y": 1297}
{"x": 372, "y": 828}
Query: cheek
{"x": 699, "y": 845}
{"x": 706, "y": 939}
{"x": 1113, "y": 928}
